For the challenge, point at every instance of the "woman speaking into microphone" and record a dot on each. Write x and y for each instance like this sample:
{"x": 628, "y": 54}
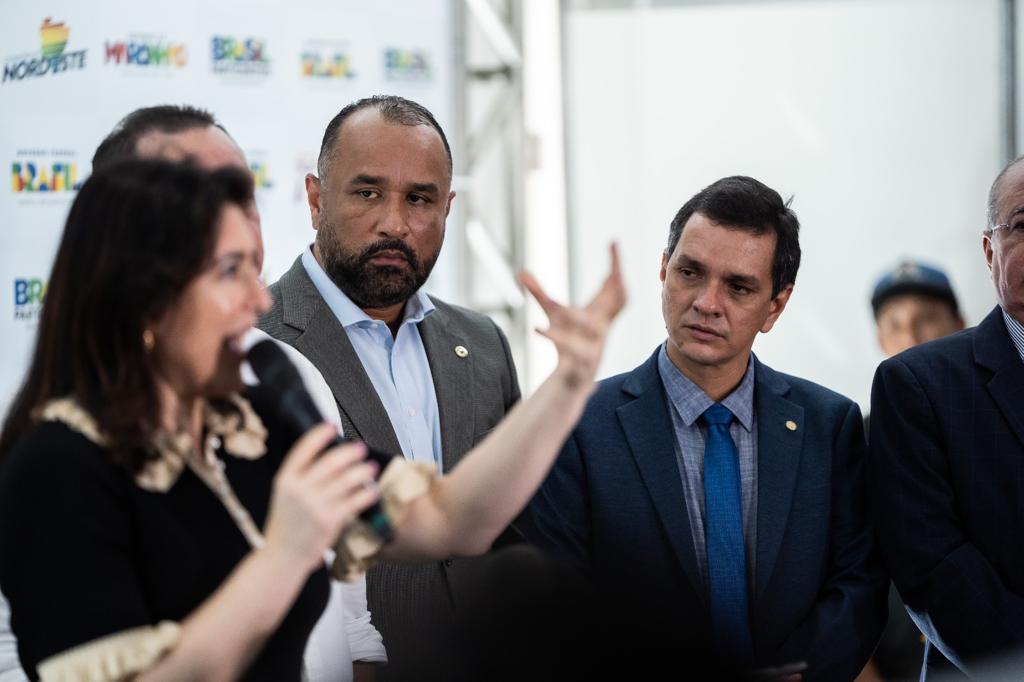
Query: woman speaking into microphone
{"x": 156, "y": 521}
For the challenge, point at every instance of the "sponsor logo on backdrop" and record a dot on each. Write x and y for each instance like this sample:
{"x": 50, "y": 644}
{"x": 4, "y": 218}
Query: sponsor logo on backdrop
{"x": 29, "y": 293}
{"x": 407, "y": 65}
{"x": 240, "y": 56}
{"x": 145, "y": 51}
{"x": 44, "y": 171}
{"x": 260, "y": 175}
{"x": 53, "y": 58}
{"x": 258, "y": 164}
{"x": 327, "y": 61}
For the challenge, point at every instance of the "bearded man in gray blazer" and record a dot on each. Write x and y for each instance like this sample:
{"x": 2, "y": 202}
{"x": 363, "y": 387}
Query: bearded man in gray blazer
{"x": 411, "y": 374}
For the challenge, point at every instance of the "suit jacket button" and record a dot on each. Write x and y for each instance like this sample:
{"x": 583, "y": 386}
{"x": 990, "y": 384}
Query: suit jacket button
{"x": 448, "y": 563}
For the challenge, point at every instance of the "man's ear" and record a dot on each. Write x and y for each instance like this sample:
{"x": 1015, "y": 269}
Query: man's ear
{"x": 313, "y": 199}
{"x": 778, "y": 304}
{"x": 448, "y": 207}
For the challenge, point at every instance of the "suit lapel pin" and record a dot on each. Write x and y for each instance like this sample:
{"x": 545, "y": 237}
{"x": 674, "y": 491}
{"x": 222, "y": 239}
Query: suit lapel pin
{"x": 461, "y": 351}
{"x": 791, "y": 425}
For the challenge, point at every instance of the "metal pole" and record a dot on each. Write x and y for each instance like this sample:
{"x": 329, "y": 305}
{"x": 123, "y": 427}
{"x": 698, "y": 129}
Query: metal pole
{"x": 1010, "y": 79}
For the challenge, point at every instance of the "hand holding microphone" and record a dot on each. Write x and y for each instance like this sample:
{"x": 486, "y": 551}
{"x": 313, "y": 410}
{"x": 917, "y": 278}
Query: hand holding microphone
{"x": 339, "y": 482}
{"x": 315, "y": 497}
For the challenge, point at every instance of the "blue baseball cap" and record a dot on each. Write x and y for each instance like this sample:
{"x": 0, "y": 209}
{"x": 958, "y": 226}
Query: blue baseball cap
{"x": 914, "y": 278}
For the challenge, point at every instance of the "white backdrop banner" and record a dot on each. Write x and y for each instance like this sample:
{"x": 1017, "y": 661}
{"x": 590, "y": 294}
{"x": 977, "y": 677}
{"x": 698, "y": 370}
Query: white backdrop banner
{"x": 273, "y": 73}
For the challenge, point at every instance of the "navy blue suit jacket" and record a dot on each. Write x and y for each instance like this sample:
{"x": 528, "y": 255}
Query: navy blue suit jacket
{"x": 614, "y": 504}
{"x": 947, "y": 475}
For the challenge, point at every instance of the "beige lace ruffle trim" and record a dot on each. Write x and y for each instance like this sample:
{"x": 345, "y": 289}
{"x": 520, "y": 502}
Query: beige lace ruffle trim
{"x": 401, "y": 483}
{"x": 243, "y": 435}
{"x": 120, "y": 656}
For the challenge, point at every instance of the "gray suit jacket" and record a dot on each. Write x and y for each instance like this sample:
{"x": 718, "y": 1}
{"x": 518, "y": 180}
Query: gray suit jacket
{"x": 408, "y": 602}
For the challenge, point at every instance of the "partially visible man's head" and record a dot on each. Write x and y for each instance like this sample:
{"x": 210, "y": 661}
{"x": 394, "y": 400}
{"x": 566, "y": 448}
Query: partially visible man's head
{"x": 1003, "y": 240}
{"x": 381, "y": 199}
{"x": 173, "y": 133}
{"x": 178, "y": 133}
{"x": 914, "y": 303}
{"x": 729, "y": 269}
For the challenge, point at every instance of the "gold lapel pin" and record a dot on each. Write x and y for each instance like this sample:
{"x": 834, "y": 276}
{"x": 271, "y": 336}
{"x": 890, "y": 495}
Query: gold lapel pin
{"x": 791, "y": 425}
{"x": 461, "y": 351}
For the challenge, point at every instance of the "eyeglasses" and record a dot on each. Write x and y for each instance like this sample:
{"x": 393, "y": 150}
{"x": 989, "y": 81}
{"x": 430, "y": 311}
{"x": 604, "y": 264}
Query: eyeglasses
{"x": 1014, "y": 231}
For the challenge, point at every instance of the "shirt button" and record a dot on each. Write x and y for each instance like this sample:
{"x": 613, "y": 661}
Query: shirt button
{"x": 412, "y": 412}
{"x": 447, "y": 563}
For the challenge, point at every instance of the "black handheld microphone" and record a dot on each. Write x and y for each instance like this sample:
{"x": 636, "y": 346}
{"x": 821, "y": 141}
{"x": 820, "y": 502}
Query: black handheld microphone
{"x": 297, "y": 409}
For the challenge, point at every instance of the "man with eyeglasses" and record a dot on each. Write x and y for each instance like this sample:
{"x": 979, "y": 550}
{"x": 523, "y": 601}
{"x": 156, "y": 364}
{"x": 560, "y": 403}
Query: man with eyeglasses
{"x": 946, "y": 466}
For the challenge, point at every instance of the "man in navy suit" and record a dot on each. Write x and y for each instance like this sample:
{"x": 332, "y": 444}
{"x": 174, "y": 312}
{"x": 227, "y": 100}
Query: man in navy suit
{"x": 947, "y": 463}
{"x": 720, "y": 505}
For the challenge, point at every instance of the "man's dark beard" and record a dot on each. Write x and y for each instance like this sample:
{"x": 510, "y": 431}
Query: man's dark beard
{"x": 369, "y": 285}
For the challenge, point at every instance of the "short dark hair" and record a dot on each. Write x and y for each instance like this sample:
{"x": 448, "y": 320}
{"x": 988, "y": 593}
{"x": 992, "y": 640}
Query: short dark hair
{"x": 393, "y": 109}
{"x": 121, "y": 143}
{"x": 136, "y": 236}
{"x": 744, "y": 203}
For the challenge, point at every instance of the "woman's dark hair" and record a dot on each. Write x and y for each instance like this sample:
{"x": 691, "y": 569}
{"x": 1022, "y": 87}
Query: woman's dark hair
{"x": 137, "y": 234}
{"x": 744, "y": 203}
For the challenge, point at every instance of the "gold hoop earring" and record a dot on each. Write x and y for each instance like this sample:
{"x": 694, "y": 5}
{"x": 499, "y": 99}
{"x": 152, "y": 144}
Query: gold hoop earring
{"x": 148, "y": 340}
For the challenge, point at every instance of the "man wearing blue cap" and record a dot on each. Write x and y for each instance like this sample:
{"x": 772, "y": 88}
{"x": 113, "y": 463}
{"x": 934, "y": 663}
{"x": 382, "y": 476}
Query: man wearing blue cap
{"x": 946, "y": 465}
{"x": 914, "y": 303}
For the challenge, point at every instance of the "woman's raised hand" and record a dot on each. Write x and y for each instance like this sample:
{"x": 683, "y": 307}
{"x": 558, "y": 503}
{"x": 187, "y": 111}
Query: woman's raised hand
{"x": 316, "y": 495}
{"x": 579, "y": 333}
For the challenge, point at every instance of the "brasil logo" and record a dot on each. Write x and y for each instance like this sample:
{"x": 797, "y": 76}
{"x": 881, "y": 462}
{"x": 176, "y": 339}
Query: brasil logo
{"x": 29, "y": 294}
{"x": 42, "y": 176}
{"x": 51, "y": 59}
{"x": 247, "y": 57}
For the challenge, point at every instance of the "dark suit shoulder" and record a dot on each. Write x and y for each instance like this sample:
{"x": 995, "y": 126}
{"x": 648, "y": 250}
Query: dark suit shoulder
{"x": 949, "y": 359}
{"x": 958, "y": 346}
{"x": 811, "y": 394}
{"x": 273, "y": 319}
{"x": 610, "y": 391}
{"x": 614, "y": 392}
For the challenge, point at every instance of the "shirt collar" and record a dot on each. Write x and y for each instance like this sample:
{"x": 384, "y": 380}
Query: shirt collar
{"x": 1016, "y": 330}
{"x": 691, "y": 402}
{"x": 418, "y": 307}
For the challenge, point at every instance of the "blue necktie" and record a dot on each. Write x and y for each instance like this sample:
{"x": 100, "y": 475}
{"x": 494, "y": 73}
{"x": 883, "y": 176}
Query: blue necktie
{"x": 723, "y": 523}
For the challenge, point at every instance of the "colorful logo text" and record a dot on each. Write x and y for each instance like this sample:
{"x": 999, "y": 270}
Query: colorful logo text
{"x": 142, "y": 52}
{"x": 44, "y": 176}
{"x": 247, "y": 56}
{"x": 29, "y": 294}
{"x": 317, "y": 64}
{"x": 406, "y": 64}
{"x": 52, "y": 59}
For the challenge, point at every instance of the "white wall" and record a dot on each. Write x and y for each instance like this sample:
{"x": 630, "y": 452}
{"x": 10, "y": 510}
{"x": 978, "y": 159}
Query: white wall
{"x": 881, "y": 116}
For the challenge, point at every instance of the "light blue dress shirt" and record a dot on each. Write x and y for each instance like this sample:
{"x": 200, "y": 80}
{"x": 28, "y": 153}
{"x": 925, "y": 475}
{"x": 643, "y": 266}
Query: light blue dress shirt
{"x": 397, "y": 365}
